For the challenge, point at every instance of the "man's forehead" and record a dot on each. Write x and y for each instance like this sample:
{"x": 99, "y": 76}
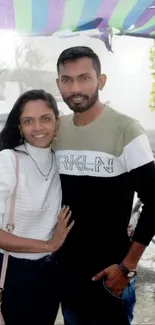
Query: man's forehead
{"x": 82, "y": 66}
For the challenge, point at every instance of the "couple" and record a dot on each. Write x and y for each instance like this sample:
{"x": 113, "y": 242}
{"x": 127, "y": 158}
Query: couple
{"x": 80, "y": 254}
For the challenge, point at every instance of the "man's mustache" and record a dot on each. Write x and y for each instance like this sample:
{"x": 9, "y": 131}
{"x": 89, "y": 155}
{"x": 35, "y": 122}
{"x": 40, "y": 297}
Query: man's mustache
{"x": 78, "y": 95}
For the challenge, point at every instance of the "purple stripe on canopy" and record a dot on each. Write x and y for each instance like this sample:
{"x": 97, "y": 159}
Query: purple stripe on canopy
{"x": 105, "y": 10}
{"x": 55, "y": 15}
{"x": 146, "y": 16}
{"x": 7, "y": 16}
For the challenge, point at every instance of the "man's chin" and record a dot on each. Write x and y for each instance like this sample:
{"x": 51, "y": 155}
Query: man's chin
{"x": 78, "y": 108}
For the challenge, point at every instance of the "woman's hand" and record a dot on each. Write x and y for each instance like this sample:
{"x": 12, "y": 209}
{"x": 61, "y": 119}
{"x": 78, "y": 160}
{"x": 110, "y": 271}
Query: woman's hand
{"x": 61, "y": 231}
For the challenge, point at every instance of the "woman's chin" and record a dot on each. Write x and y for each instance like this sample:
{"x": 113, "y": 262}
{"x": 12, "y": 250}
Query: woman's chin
{"x": 41, "y": 143}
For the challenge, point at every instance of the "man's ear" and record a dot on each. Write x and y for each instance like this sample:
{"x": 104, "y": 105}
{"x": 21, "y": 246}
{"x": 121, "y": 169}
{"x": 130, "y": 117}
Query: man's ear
{"x": 57, "y": 82}
{"x": 102, "y": 81}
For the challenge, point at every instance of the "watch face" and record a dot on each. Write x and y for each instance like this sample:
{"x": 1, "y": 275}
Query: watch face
{"x": 131, "y": 274}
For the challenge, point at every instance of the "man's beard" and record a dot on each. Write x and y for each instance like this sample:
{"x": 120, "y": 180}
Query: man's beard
{"x": 83, "y": 106}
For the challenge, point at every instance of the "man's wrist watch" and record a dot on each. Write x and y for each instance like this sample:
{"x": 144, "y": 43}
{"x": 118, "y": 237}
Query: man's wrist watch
{"x": 129, "y": 273}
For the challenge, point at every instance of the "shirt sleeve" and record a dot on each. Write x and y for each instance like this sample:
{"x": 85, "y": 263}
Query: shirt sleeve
{"x": 138, "y": 161}
{"x": 7, "y": 179}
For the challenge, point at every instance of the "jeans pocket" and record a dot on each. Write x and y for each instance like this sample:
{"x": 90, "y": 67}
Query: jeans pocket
{"x": 111, "y": 293}
{"x": 129, "y": 299}
{"x": 129, "y": 294}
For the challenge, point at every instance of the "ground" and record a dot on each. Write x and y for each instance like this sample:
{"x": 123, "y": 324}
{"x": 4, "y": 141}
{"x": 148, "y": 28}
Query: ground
{"x": 145, "y": 290}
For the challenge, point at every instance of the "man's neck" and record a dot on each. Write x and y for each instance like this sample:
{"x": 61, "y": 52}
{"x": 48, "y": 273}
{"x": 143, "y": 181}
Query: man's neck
{"x": 85, "y": 118}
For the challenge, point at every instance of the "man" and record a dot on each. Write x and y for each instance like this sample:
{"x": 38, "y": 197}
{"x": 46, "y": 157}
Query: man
{"x": 103, "y": 158}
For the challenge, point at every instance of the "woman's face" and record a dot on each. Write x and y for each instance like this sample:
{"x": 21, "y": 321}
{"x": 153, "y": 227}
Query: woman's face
{"x": 38, "y": 123}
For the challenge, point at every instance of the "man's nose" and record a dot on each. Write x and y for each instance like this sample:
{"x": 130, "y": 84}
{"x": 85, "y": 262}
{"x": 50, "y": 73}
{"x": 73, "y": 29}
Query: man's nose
{"x": 76, "y": 87}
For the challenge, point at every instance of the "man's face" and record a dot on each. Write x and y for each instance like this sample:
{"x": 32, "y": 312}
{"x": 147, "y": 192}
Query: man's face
{"x": 79, "y": 84}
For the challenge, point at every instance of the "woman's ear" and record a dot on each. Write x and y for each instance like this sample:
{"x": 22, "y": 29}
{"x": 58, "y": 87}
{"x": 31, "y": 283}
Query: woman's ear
{"x": 20, "y": 130}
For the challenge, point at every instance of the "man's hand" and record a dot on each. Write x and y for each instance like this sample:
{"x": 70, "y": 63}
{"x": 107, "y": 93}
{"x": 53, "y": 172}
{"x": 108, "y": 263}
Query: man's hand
{"x": 115, "y": 280}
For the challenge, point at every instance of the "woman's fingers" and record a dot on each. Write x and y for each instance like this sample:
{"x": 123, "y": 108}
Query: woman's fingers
{"x": 63, "y": 212}
{"x": 70, "y": 226}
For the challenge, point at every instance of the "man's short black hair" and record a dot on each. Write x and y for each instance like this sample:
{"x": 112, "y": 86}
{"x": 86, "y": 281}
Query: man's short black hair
{"x": 77, "y": 52}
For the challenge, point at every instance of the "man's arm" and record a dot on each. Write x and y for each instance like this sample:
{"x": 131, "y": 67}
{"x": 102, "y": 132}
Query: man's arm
{"x": 143, "y": 181}
{"x": 137, "y": 159}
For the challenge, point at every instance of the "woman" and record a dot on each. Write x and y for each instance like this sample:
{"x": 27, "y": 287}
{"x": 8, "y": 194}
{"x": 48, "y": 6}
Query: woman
{"x": 30, "y": 293}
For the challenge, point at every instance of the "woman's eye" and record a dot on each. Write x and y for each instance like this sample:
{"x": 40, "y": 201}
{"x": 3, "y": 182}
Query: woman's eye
{"x": 46, "y": 119}
{"x": 27, "y": 121}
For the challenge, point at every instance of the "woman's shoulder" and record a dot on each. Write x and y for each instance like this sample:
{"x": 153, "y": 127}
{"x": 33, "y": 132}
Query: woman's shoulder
{"x": 7, "y": 171}
{"x": 7, "y": 159}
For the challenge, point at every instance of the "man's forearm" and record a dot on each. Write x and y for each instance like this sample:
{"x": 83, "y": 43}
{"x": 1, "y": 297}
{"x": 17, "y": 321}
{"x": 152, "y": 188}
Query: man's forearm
{"x": 132, "y": 258}
{"x": 143, "y": 182}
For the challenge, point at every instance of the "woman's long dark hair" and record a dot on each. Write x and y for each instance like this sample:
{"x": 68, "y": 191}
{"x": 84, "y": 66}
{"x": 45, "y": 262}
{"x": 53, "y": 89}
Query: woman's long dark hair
{"x": 10, "y": 136}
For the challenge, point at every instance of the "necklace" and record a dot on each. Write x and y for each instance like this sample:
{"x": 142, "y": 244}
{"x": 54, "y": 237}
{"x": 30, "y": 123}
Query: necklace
{"x": 45, "y": 175}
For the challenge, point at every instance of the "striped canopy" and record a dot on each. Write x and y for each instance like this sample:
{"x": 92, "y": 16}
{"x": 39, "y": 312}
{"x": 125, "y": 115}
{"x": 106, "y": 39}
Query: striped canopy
{"x": 45, "y": 17}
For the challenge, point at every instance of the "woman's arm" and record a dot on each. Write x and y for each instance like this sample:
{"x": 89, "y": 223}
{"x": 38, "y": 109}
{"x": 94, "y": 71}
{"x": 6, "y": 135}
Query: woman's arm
{"x": 12, "y": 243}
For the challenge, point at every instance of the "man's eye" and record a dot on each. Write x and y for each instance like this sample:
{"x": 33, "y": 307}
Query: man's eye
{"x": 65, "y": 80}
{"x": 85, "y": 78}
